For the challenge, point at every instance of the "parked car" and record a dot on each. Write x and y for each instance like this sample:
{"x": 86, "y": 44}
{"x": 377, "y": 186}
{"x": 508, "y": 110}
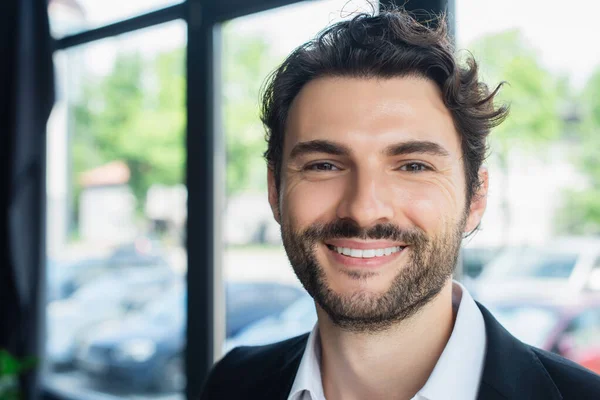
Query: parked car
{"x": 474, "y": 260}
{"x": 144, "y": 350}
{"x": 109, "y": 297}
{"x": 300, "y": 317}
{"x": 563, "y": 267}
{"x": 247, "y": 302}
{"x": 64, "y": 278}
{"x": 570, "y": 328}
{"x": 58, "y": 285}
{"x": 144, "y": 251}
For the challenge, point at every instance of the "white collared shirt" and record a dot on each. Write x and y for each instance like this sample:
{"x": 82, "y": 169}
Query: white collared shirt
{"x": 456, "y": 375}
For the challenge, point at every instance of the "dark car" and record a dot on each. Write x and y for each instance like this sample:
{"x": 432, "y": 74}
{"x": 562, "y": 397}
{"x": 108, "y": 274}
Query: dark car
{"x": 144, "y": 350}
{"x": 110, "y": 296}
{"x": 568, "y": 327}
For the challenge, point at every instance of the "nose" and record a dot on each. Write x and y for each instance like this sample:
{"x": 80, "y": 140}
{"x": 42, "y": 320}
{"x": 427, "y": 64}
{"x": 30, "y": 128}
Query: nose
{"x": 367, "y": 199}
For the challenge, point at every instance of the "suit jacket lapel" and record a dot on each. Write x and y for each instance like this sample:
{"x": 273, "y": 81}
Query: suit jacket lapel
{"x": 279, "y": 384}
{"x": 511, "y": 369}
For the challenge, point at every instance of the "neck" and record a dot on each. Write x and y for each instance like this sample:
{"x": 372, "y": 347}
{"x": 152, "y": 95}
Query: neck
{"x": 393, "y": 363}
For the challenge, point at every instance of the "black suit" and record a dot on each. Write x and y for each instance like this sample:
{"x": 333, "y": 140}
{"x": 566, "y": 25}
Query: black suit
{"x": 512, "y": 370}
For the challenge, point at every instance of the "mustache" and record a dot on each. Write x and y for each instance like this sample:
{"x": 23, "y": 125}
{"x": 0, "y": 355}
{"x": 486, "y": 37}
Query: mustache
{"x": 349, "y": 229}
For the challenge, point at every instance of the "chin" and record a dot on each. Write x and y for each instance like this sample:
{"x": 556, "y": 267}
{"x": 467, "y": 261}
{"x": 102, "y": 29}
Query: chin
{"x": 357, "y": 283}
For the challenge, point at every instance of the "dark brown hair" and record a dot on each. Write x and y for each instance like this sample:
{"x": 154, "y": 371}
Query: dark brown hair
{"x": 390, "y": 44}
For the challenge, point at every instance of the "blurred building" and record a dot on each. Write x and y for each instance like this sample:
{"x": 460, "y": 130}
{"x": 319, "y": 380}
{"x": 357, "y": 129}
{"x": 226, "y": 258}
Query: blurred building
{"x": 166, "y": 209}
{"x": 107, "y": 205}
{"x": 524, "y": 200}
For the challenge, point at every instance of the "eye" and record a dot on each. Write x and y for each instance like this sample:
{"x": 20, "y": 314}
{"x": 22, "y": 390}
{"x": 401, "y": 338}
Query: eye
{"x": 322, "y": 166}
{"x": 414, "y": 167}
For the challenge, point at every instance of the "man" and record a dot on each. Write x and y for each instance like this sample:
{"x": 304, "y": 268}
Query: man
{"x": 376, "y": 139}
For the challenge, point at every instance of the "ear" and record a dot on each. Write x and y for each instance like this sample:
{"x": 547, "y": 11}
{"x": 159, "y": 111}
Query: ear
{"x": 273, "y": 195}
{"x": 478, "y": 202}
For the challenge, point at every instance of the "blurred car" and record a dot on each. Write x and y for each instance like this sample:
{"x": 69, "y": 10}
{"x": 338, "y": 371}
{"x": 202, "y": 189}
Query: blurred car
{"x": 300, "y": 317}
{"x": 144, "y": 251}
{"x": 64, "y": 278}
{"x": 474, "y": 260}
{"x": 570, "y": 328}
{"x": 57, "y": 281}
{"x": 563, "y": 268}
{"x": 249, "y": 302}
{"x": 109, "y": 297}
{"x": 144, "y": 350}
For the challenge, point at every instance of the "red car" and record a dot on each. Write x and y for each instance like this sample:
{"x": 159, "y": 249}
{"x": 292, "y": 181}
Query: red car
{"x": 568, "y": 327}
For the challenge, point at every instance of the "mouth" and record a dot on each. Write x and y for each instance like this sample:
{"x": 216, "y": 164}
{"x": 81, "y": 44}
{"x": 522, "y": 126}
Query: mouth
{"x": 355, "y": 254}
{"x": 365, "y": 253}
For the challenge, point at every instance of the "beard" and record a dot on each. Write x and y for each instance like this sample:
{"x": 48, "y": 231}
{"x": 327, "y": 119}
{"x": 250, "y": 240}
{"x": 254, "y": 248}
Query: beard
{"x": 431, "y": 263}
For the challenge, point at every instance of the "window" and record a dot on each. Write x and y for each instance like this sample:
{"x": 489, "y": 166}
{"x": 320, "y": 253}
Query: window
{"x": 116, "y": 215}
{"x": 68, "y": 17}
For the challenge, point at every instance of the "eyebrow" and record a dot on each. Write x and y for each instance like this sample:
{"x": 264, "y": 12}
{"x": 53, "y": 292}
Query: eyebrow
{"x": 416, "y": 146}
{"x": 336, "y": 149}
{"x": 319, "y": 146}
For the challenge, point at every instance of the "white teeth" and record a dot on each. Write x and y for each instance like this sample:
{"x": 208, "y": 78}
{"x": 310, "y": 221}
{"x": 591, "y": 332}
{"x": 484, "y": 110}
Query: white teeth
{"x": 369, "y": 253}
{"x": 356, "y": 253}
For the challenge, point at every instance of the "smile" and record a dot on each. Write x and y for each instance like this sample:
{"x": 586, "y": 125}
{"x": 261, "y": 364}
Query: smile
{"x": 365, "y": 253}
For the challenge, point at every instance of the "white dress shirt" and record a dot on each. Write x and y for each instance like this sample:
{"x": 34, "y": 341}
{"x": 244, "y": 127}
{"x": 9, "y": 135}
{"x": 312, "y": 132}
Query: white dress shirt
{"x": 455, "y": 376}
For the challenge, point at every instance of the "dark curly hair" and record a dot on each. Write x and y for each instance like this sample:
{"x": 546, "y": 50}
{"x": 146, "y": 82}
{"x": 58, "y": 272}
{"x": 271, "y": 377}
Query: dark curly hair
{"x": 390, "y": 44}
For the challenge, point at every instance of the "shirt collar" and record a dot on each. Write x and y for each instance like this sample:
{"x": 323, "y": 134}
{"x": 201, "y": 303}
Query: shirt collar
{"x": 456, "y": 374}
{"x": 309, "y": 372}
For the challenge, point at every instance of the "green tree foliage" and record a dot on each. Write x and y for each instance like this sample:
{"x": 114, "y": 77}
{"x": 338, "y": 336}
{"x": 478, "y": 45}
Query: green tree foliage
{"x": 137, "y": 114}
{"x": 247, "y": 60}
{"x": 581, "y": 212}
{"x": 535, "y": 97}
{"x": 534, "y": 94}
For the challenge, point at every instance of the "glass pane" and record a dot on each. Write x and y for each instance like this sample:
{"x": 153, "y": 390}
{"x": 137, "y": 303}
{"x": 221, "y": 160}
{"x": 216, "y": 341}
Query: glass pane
{"x": 264, "y": 300}
{"x": 543, "y": 204}
{"x": 116, "y": 216}
{"x": 68, "y": 17}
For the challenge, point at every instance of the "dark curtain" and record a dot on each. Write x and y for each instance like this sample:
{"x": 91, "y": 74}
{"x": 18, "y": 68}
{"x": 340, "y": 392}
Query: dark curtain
{"x": 26, "y": 98}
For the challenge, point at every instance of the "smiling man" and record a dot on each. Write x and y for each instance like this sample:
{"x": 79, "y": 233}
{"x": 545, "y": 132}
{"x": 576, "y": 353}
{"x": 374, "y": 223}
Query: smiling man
{"x": 376, "y": 139}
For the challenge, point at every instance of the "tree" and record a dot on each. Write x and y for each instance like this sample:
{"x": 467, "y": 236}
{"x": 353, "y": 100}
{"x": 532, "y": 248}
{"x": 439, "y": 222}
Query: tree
{"x": 137, "y": 114}
{"x": 247, "y": 60}
{"x": 534, "y": 94}
{"x": 128, "y": 116}
{"x": 581, "y": 211}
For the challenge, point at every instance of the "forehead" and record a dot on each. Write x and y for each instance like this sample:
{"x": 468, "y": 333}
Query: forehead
{"x": 386, "y": 110}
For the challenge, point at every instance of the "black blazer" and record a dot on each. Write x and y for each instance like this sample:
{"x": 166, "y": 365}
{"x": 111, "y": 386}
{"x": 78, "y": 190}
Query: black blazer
{"x": 512, "y": 370}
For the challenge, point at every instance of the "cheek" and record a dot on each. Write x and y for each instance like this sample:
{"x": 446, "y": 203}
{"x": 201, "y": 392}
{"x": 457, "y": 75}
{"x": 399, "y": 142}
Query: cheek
{"x": 427, "y": 205}
{"x": 305, "y": 203}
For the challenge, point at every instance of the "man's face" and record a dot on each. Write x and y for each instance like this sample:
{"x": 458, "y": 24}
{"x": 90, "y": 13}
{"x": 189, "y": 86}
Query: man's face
{"x": 372, "y": 202}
